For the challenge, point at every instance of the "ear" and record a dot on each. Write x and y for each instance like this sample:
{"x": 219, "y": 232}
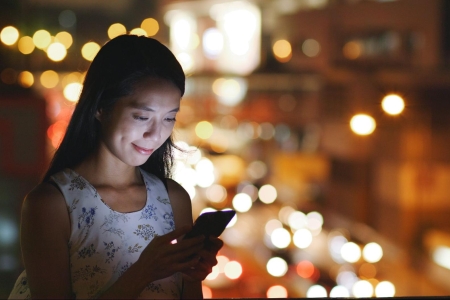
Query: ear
{"x": 98, "y": 114}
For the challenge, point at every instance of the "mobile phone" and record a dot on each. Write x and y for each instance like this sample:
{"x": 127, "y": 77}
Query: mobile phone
{"x": 211, "y": 223}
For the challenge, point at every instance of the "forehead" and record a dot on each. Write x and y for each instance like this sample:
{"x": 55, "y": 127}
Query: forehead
{"x": 153, "y": 92}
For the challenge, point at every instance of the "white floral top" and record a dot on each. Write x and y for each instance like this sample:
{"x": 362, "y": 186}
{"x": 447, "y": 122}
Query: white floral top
{"x": 105, "y": 243}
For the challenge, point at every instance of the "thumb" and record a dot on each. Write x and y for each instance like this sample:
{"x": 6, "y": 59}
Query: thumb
{"x": 168, "y": 237}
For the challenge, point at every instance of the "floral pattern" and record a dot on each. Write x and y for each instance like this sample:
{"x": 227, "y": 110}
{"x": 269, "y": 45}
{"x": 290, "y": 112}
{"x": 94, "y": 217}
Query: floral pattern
{"x": 105, "y": 243}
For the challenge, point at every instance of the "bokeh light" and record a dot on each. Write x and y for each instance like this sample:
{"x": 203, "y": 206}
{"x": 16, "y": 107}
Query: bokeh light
{"x": 280, "y": 238}
{"x": 9, "y": 35}
{"x": 204, "y": 130}
{"x": 26, "y": 79}
{"x": 242, "y": 202}
{"x": 362, "y": 288}
{"x": 233, "y": 270}
{"x": 72, "y": 91}
{"x": 151, "y": 26}
{"x": 372, "y": 252}
{"x": 339, "y": 291}
{"x": 90, "y": 50}
{"x": 282, "y": 50}
{"x": 26, "y": 45}
{"x": 277, "y": 267}
{"x": 351, "y": 252}
{"x": 362, "y": 124}
{"x": 305, "y": 269}
{"x": 277, "y": 291}
{"x": 316, "y": 291}
{"x": 64, "y": 38}
{"x": 311, "y": 48}
{"x": 56, "y": 51}
{"x": 42, "y": 39}
{"x": 385, "y": 289}
{"x": 116, "y": 29}
{"x": 49, "y": 79}
{"x": 302, "y": 238}
{"x": 393, "y": 104}
{"x": 267, "y": 194}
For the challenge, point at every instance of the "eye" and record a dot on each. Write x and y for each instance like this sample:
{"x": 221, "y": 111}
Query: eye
{"x": 139, "y": 118}
{"x": 171, "y": 119}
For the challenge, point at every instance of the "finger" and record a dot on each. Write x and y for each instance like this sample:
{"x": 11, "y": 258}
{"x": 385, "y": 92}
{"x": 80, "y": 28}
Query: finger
{"x": 169, "y": 237}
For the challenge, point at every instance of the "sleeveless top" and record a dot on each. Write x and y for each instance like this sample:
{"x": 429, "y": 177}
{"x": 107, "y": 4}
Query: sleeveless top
{"x": 104, "y": 243}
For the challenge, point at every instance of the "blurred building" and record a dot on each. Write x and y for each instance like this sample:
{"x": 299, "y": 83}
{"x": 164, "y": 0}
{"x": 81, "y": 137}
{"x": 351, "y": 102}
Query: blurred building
{"x": 273, "y": 87}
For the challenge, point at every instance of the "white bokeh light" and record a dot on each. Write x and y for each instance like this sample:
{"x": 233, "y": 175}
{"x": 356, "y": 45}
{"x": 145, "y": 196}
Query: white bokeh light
{"x": 372, "y": 252}
{"x": 351, "y": 252}
{"x": 277, "y": 267}
{"x": 281, "y": 238}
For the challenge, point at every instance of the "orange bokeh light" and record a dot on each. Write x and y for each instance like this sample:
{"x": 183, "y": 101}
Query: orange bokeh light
{"x": 56, "y": 131}
{"x": 305, "y": 269}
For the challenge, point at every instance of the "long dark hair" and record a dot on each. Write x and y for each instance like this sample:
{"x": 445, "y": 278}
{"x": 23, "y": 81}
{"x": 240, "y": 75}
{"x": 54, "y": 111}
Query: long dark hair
{"x": 119, "y": 65}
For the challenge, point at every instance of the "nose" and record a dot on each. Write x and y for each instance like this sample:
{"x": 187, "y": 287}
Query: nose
{"x": 153, "y": 131}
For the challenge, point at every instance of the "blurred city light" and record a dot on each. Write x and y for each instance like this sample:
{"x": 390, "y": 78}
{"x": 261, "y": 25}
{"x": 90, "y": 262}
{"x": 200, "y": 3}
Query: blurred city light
{"x": 64, "y": 38}
{"x": 311, "y": 48}
{"x": 267, "y": 194}
{"x": 277, "y": 267}
{"x": 393, "y": 104}
{"x": 242, "y": 202}
{"x": 351, "y": 252}
{"x": 316, "y": 291}
{"x": 26, "y": 79}
{"x": 56, "y": 51}
{"x": 385, "y": 289}
{"x": 42, "y": 39}
{"x": 372, "y": 252}
{"x": 281, "y": 238}
{"x": 89, "y": 50}
{"x": 49, "y": 79}
{"x": 204, "y": 130}
{"x": 72, "y": 91}
{"x": 116, "y": 29}
{"x": 9, "y": 35}
{"x": 26, "y": 45}
{"x": 151, "y": 26}
{"x": 277, "y": 291}
{"x": 362, "y": 289}
{"x": 282, "y": 50}
{"x": 362, "y": 124}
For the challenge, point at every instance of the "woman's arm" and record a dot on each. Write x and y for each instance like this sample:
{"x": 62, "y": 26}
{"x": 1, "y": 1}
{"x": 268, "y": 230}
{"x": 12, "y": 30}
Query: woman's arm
{"x": 44, "y": 236}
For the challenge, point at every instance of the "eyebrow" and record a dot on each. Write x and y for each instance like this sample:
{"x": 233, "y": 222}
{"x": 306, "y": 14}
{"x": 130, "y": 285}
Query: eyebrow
{"x": 147, "y": 108}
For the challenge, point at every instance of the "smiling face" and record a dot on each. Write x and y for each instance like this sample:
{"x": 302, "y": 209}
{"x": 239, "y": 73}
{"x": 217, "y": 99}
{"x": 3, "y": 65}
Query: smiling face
{"x": 140, "y": 123}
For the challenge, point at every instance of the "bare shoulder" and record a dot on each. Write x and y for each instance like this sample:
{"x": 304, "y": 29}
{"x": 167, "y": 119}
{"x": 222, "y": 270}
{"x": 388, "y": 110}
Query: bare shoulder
{"x": 181, "y": 203}
{"x": 45, "y": 205}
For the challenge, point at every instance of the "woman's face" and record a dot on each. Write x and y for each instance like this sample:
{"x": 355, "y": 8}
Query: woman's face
{"x": 141, "y": 122}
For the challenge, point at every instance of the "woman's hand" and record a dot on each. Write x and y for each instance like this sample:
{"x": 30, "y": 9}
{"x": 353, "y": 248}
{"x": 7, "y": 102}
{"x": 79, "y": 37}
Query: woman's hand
{"x": 162, "y": 258}
{"x": 207, "y": 261}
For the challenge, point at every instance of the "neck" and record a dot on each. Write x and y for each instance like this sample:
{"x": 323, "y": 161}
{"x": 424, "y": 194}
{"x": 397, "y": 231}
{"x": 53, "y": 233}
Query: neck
{"x": 104, "y": 172}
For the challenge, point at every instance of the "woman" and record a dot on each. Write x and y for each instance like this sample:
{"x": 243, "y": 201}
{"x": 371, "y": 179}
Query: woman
{"x": 104, "y": 220}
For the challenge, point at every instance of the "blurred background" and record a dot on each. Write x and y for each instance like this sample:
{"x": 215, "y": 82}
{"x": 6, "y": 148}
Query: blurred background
{"x": 324, "y": 123}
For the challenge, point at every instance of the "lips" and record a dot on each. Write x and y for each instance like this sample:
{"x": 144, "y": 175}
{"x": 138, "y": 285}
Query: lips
{"x": 143, "y": 151}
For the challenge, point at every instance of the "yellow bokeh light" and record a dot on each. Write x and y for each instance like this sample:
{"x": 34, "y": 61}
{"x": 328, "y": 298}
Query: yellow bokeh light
{"x": 42, "y": 39}
{"x": 151, "y": 26}
{"x": 282, "y": 50}
{"x": 90, "y": 50}
{"x": 138, "y": 31}
{"x": 64, "y": 38}
{"x": 26, "y": 45}
{"x": 204, "y": 130}
{"x": 72, "y": 91}
{"x": 56, "y": 51}
{"x": 362, "y": 124}
{"x": 116, "y": 29}
{"x": 393, "y": 104}
{"x": 49, "y": 79}
{"x": 26, "y": 79}
{"x": 9, "y": 35}
{"x": 352, "y": 49}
